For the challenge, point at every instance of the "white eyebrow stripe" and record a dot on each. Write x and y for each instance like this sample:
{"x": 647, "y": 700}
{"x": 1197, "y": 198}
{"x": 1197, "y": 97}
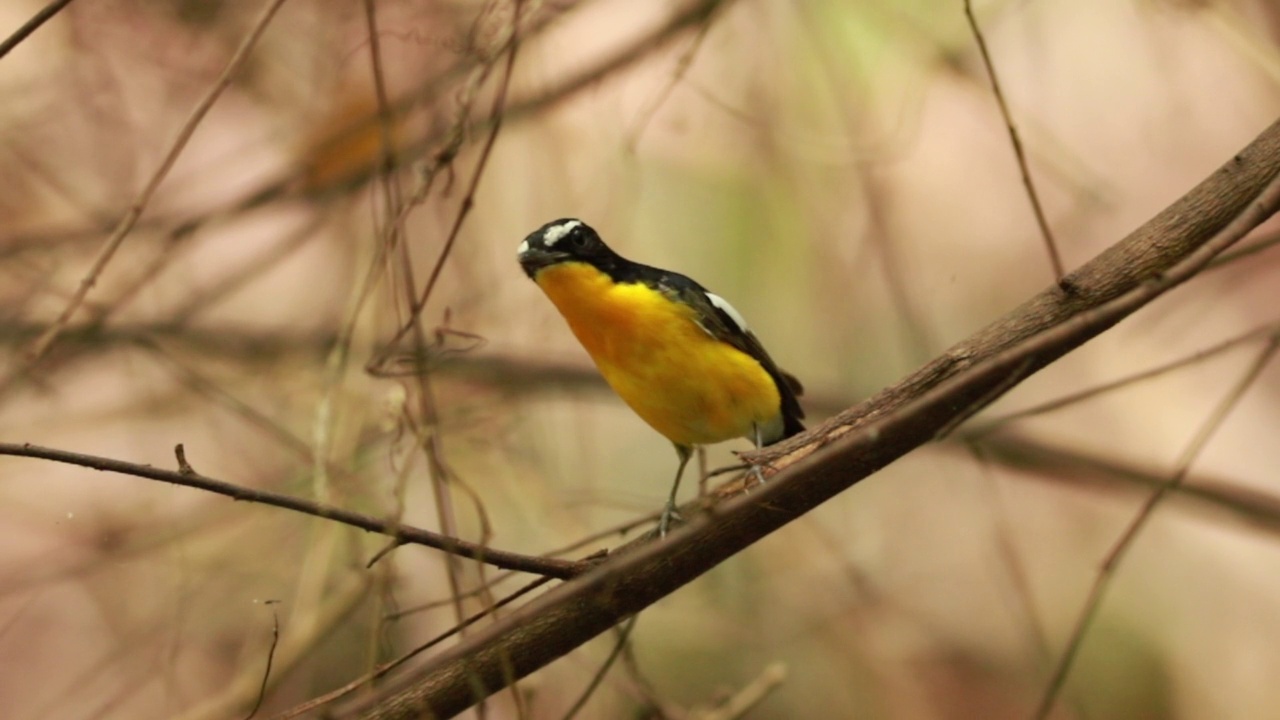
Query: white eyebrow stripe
{"x": 553, "y": 235}
{"x": 728, "y": 310}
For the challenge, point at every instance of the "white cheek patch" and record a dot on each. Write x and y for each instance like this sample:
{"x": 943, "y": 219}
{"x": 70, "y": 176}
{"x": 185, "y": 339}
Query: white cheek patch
{"x": 553, "y": 235}
{"x": 728, "y": 310}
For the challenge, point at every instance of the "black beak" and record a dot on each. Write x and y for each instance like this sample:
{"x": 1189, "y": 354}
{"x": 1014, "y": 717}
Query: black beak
{"x": 534, "y": 258}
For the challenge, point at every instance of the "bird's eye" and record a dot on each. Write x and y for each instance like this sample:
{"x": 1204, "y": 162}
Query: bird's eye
{"x": 578, "y": 240}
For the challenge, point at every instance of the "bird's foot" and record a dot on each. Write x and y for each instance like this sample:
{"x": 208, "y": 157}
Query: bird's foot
{"x": 664, "y": 523}
{"x": 754, "y": 471}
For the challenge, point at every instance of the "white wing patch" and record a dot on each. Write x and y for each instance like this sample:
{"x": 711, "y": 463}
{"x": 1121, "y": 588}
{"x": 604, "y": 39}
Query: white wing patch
{"x": 524, "y": 248}
{"x": 553, "y": 235}
{"x": 728, "y": 310}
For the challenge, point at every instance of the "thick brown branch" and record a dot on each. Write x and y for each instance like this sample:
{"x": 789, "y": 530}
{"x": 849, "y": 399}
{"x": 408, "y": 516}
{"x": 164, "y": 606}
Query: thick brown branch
{"x": 405, "y": 534}
{"x": 1164, "y": 252}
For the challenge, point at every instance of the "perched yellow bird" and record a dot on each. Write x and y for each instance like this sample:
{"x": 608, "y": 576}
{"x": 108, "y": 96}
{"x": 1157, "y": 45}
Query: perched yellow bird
{"x": 679, "y": 355}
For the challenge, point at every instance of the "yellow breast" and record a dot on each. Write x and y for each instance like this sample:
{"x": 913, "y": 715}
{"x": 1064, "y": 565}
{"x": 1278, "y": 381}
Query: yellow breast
{"x": 689, "y": 386}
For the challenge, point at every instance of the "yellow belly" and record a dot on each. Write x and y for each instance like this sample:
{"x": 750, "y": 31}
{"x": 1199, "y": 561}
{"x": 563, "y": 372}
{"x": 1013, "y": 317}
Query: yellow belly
{"x": 687, "y": 385}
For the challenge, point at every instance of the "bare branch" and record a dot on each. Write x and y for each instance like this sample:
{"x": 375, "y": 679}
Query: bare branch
{"x": 187, "y": 477}
{"x": 1103, "y": 581}
{"x": 1045, "y": 232}
{"x": 46, "y": 13}
{"x": 751, "y": 695}
{"x": 271, "y": 654}
{"x": 496, "y": 115}
{"x": 388, "y": 667}
{"x": 1268, "y": 331}
{"x": 1049, "y": 462}
{"x": 130, "y": 218}
{"x": 598, "y": 676}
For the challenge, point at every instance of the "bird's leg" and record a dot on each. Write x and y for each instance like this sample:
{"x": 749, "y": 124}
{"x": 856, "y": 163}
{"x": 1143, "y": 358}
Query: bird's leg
{"x": 756, "y": 472}
{"x": 668, "y": 512}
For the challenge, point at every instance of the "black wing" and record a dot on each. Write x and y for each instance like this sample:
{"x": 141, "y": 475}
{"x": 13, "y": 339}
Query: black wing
{"x": 723, "y": 326}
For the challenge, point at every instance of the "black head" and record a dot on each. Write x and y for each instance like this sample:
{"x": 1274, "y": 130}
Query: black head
{"x": 563, "y": 240}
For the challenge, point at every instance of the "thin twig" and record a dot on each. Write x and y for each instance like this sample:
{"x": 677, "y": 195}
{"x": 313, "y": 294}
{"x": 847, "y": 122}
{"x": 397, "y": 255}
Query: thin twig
{"x": 429, "y": 432}
{"x": 1047, "y": 461}
{"x": 392, "y": 237}
{"x": 245, "y": 272}
{"x": 1266, "y": 331}
{"x": 210, "y": 390}
{"x": 309, "y": 625}
{"x": 271, "y": 654}
{"x": 659, "y": 708}
{"x": 660, "y": 98}
{"x": 751, "y": 695}
{"x": 1007, "y": 550}
{"x": 550, "y": 567}
{"x": 46, "y": 13}
{"x": 1260, "y": 244}
{"x": 1109, "y": 566}
{"x": 496, "y": 116}
{"x": 288, "y": 186}
{"x": 388, "y": 667}
{"x": 1045, "y": 232}
{"x": 435, "y": 604}
{"x": 598, "y": 677}
{"x": 188, "y": 129}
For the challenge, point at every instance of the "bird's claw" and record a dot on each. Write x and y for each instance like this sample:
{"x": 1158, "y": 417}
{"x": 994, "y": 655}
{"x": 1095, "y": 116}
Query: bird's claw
{"x": 664, "y": 523}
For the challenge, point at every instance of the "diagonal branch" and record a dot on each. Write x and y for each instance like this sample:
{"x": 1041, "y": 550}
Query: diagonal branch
{"x": 1168, "y": 250}
{"x": 45, "y": 15}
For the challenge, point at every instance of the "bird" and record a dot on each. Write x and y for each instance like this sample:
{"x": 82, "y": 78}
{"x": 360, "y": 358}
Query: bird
{"x": 678, "y": 354}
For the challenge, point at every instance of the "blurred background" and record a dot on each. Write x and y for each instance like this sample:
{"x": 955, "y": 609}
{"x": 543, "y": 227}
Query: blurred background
{"x": 839, "y": 171}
